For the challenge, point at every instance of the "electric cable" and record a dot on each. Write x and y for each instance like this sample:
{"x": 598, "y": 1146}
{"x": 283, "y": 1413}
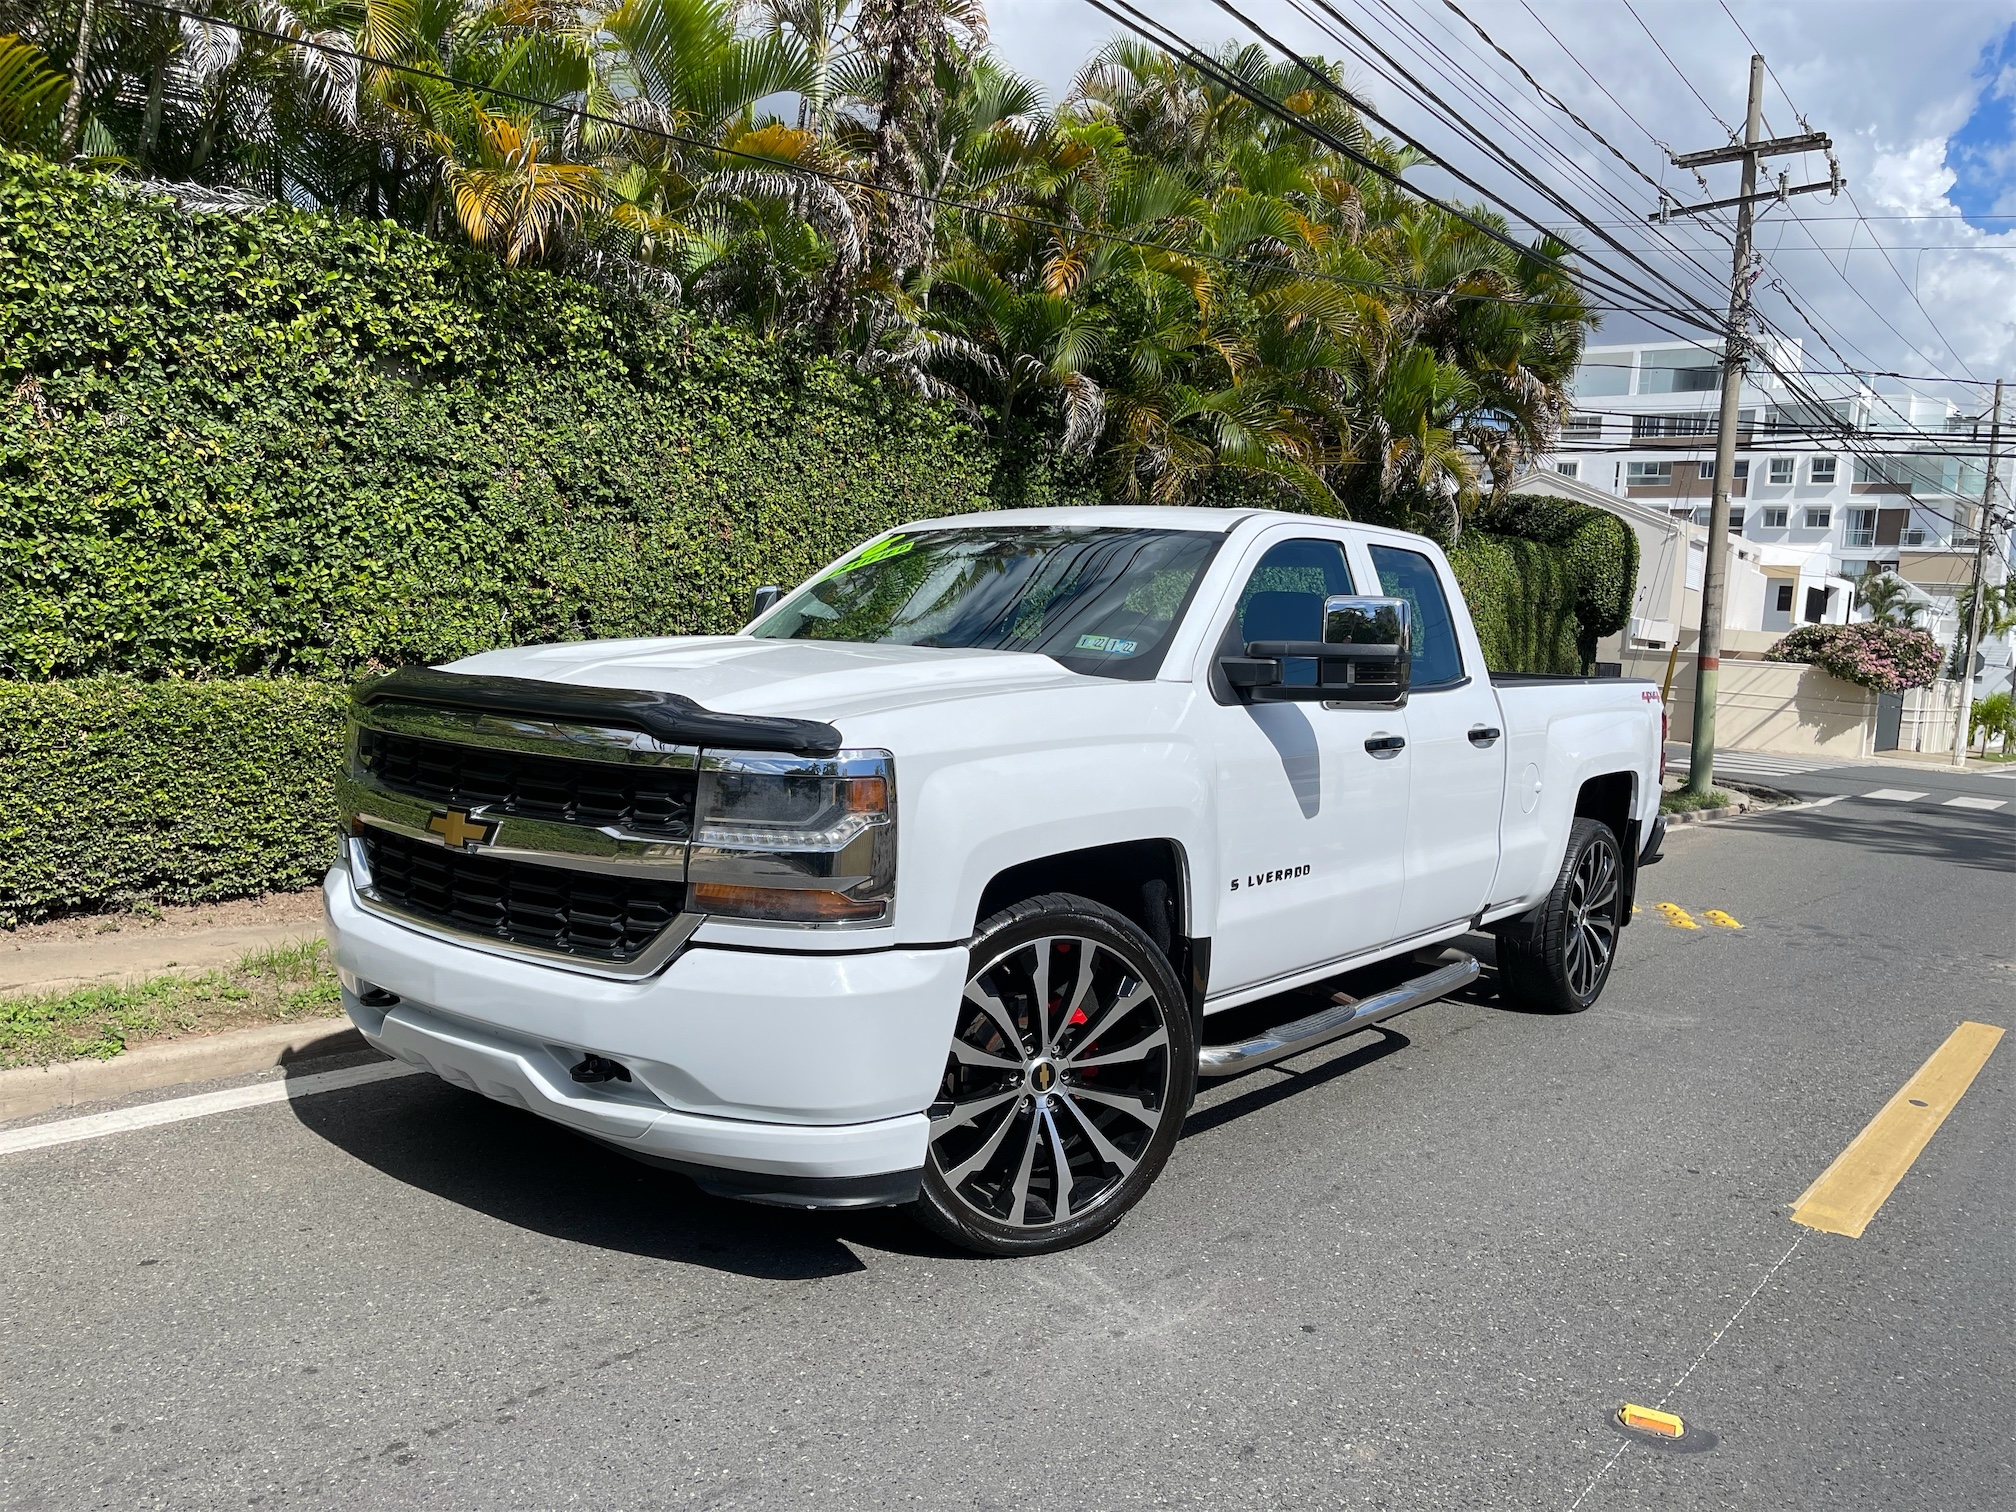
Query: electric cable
{"x": 992, "y": 211}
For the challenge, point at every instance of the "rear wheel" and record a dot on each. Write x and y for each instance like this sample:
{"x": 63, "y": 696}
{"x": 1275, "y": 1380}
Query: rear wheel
{"x": 1560, "y": 959}
{"x": 1072, "y": 1064}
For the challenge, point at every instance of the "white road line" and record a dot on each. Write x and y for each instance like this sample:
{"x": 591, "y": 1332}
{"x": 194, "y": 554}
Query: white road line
{"x": 177, "y": 1109}
{"x": 1894, "y": 795}
{"x": 1976, "y": 803}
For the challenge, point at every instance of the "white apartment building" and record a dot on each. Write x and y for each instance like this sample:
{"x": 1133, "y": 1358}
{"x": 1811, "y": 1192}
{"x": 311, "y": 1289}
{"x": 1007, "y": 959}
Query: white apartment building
{"x": 1817, "y": 511}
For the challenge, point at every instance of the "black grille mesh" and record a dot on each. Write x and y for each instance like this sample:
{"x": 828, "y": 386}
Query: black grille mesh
{"x": 594, "y": 915}
{"x": 652, "y": 800}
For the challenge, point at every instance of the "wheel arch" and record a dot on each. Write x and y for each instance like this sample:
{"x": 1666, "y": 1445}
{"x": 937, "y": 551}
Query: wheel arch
{"x": 1611, "y": 799}
{"x": 1146, "y": 881}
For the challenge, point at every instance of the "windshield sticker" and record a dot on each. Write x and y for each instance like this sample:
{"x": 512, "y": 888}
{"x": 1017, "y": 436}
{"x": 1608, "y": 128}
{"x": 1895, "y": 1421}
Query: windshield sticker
{"x": 881, "y": 551}
{"x": 1108, "y": 644}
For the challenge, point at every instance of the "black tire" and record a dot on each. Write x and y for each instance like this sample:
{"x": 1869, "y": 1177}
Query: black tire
{"x": 1093, "y": 1083}
{"x": 1559, "y": 960}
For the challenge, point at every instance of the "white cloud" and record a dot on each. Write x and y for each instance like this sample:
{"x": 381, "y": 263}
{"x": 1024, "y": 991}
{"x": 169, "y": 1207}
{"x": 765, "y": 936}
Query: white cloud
{"x": 1890, "y": 82}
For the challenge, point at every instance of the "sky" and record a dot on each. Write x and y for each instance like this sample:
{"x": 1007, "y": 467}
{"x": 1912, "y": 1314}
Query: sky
{"x": 1917, "y": 275}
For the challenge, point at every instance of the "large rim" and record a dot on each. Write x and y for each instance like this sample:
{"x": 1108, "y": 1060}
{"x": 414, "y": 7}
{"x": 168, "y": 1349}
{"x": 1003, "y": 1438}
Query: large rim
{"x": 1056, "y": 1083}
{"x": 1592, "y": 920}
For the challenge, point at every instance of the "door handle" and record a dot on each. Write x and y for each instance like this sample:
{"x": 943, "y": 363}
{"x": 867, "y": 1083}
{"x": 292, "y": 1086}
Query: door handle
{"x": 1482, "y": 736}
{"x": 1383, "y": 746}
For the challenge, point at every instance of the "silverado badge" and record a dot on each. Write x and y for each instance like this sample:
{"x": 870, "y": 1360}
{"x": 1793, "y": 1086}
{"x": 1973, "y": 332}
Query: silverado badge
{"x": 458, "y": 830}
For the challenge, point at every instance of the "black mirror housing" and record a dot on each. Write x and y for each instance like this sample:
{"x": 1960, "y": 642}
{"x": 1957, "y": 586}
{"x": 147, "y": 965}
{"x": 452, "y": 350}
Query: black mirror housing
{"x": 1365, "y": 657}
{"x": 763, "y": 598}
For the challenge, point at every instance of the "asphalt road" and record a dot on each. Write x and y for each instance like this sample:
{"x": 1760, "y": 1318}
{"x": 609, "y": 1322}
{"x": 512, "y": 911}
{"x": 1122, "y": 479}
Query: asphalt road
{"x": 1417, "y": 1270}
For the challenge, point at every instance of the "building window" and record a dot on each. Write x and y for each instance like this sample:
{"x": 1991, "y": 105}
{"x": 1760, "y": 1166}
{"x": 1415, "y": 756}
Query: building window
{"x": 1648, "y": 474}
{"x": 1822, "y": 470}
{"x": 1816, "y": 605}
{"x": 1861, "y": 527}
{"x": 1657, "y": 426}
{"x": 1568, "y": 469}
{"x": 1740, "y": 474}
{"x": 1781, "y": 469}
{"x": 1784, "y": 598}
{"x": 1584, "y": 427}
{"x": 1772, "y": 517}
{"x": 1735, "y": 517}
{"x": 1819, "y": 519}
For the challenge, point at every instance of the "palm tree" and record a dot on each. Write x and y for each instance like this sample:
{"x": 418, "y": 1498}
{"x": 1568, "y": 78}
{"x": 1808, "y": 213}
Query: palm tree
{"x": 32, "y": 96}
{"x": 1890, "y": 601}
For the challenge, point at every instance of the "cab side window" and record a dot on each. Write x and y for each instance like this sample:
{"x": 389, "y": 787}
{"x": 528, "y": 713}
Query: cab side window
{"x": 1411, "y": 576}
{"x": 1283, "y": 600}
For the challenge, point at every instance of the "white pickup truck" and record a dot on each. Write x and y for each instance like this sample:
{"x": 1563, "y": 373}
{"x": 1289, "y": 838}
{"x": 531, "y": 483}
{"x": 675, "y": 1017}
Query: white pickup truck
{"x": 933, "y": 885}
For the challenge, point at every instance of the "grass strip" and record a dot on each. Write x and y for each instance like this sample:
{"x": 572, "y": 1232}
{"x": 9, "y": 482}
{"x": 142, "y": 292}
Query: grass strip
{"x": 1685, "y": 802}
{"x": 277, "y": 985}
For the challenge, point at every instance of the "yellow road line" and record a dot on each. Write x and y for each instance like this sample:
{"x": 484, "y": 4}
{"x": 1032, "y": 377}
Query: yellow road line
{"x": 1860, "y": 1180}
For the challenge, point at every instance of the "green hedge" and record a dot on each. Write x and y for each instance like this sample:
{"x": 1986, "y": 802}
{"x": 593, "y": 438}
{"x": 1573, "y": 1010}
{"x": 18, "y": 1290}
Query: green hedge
{"x": 285, "y": 443}
{"x": 1522, "y": 597}
{"x": 1592, "y": 573}
{"x": 113, "y": 790}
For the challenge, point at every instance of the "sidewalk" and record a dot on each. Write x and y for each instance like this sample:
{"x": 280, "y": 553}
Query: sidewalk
{"x": 116, "y": 949}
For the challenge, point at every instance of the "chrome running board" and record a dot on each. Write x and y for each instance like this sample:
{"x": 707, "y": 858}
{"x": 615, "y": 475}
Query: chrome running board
{"x": 1349, "y": 1016}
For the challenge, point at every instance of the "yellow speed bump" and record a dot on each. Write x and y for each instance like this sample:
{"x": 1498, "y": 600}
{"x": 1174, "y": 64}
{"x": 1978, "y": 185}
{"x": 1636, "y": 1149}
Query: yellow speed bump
{"x": 1860, "y": 1180}
{"x": 1677, "y": 916}
{"x": 1651, "y": 1420}
{"x": 1716, "y": 916}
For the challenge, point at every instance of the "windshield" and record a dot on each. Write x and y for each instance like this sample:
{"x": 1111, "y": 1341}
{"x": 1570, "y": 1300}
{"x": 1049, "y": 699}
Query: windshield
{"x": 1099, "y": 601}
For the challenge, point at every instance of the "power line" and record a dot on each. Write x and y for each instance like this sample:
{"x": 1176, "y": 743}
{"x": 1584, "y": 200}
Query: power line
{"x": 1800, "y": 117}
{"x": 1461, "y": 77}
{"x": 1552, "y": 98}
{"x": 1452, "y": 116}
{"x": 1173, "y": 42}
{"x": 1681, "y": 72}
{"x": 831, "y": 176}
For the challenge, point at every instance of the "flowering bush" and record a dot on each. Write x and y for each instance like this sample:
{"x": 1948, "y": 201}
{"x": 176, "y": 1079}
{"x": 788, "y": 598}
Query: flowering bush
{"x": 1888, "y": 658}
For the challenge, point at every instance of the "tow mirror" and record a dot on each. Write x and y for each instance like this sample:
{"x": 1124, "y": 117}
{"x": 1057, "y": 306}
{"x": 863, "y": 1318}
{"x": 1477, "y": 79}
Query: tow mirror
{"x": 761, "y": 600}
{"x": 1364, "y": 657}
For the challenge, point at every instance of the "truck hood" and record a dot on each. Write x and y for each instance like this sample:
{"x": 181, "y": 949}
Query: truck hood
{"x": 827, "y": 680}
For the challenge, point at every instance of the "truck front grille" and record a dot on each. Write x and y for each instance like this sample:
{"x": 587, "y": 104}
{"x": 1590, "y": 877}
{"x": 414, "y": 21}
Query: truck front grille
{"x": 652, "y": 800}
{"x": 593, "y": 915}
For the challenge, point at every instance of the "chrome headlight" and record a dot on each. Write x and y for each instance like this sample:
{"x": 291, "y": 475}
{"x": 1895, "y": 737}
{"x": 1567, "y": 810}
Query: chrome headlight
{"x": 794, "y": 839}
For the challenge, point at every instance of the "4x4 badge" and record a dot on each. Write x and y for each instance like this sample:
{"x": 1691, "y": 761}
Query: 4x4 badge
{"x": 457, "y": 829}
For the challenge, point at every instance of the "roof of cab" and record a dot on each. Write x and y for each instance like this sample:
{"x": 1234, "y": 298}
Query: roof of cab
{"x": 1111, "y": 516}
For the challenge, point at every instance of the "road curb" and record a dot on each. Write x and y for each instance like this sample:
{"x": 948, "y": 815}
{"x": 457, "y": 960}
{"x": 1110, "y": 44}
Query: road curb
{"x": 1775, "y": 801}
{"x": 29, "y": 1090}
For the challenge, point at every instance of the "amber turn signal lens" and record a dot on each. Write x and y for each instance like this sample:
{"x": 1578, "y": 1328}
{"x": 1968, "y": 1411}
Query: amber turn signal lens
{"x": 867, "y": 795}
{"x": 783, "y": 904}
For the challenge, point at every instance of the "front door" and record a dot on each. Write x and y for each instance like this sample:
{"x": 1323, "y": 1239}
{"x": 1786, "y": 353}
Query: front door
{"x": 1311, "y": 823}
{"x": 1458, "y": 755}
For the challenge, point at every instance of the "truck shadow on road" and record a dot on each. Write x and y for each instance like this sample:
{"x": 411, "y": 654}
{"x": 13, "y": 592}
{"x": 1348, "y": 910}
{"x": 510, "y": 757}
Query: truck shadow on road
{"x": 538, "y": 1176}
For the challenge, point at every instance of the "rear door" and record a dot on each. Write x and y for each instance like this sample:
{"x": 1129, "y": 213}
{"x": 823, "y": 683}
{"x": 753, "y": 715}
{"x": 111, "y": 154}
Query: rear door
{"x": 1454, "y": 743}
{"x": 1311, "y": 824}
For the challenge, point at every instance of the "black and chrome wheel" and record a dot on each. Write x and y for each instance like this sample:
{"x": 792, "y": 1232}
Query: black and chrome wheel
{"x": 1072, "y": 1064}
{"x": 1560, "y": 959}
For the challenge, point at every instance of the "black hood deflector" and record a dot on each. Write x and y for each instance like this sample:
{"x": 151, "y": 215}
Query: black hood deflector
{"x": 671, "y": 717}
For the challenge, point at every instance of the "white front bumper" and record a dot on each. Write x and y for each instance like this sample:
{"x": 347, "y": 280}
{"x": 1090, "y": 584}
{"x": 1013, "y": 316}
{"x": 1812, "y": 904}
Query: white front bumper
{"x": 802, "y": 1066}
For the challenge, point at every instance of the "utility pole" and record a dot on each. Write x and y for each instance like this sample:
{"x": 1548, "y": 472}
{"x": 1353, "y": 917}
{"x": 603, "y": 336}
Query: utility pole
{"x": 1970, "y": 632}
{"x": 1714, "y": 583}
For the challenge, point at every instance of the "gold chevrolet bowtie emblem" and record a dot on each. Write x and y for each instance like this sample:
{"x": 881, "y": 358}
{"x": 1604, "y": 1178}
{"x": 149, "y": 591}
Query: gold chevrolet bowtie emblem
{"x": 459, "y": 830}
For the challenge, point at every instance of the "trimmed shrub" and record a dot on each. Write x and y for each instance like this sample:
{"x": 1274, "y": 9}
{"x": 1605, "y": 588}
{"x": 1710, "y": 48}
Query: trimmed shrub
{"x": 1888, "y": 658}
{"x": 113, "y": 790}
{"x": 1600, "y": 553}
{"x": 1522, "y": 596}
